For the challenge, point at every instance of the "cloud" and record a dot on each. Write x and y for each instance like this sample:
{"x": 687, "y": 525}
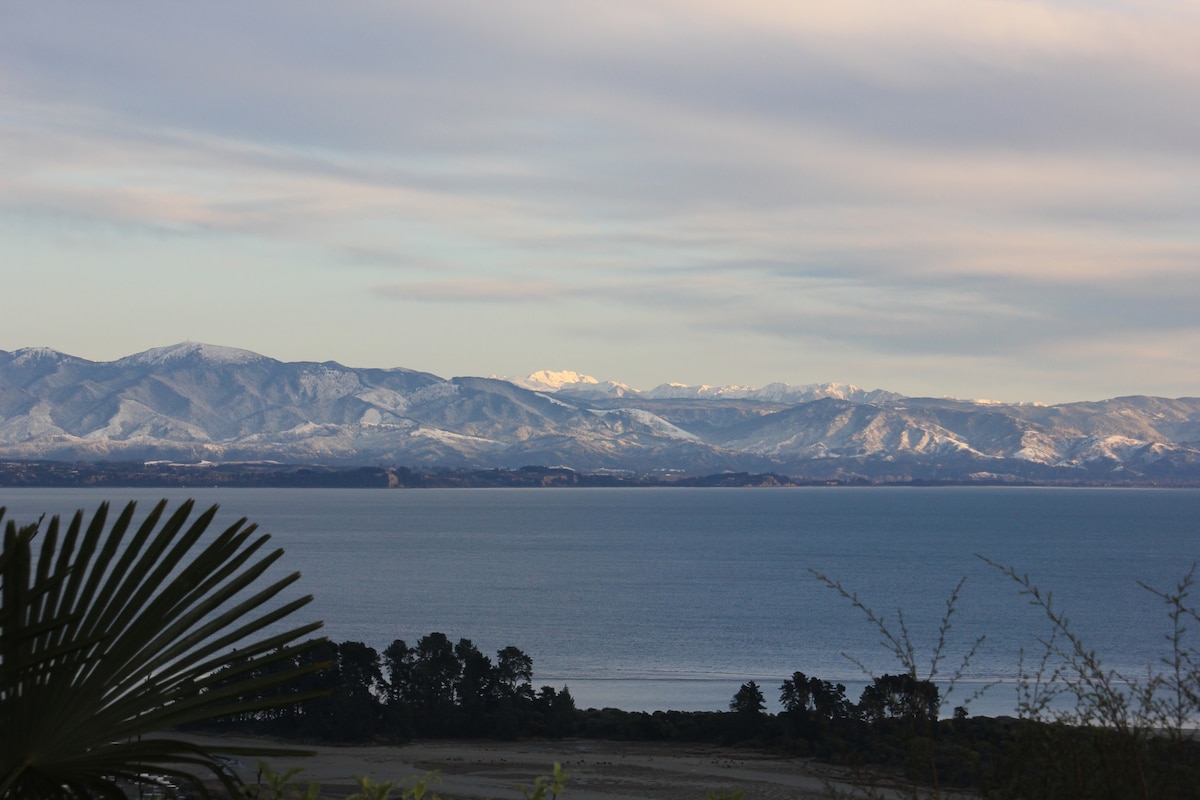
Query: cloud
{"x": 926, "y": 179}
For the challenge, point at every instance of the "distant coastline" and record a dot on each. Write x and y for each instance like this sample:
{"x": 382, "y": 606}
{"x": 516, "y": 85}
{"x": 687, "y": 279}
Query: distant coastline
{"x": 49, "y": 474}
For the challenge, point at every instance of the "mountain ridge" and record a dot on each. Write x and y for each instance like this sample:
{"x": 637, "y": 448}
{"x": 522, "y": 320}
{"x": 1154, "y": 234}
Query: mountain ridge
{"x": 194, "y": 402}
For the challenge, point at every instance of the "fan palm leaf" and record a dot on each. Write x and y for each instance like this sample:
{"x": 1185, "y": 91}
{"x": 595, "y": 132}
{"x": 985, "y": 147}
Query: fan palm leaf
{"x": 111, "y": 634}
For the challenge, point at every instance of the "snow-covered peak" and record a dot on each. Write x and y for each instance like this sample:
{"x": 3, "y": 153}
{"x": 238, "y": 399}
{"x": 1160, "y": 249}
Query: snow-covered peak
{"x": 556, "y": 380}
{"x": 30, "y": 361}
{"x": 33, "y": 355}
{"x": 568, "y": 382}
{"x": 216, "y": 354}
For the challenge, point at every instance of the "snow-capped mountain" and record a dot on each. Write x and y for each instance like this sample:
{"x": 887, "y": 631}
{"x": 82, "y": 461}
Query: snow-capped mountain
{"x": 771, "y": 393}
{"x": 569, "y": 382}
{"x": 193, "y": 402}
{"x": 574, "y": 383}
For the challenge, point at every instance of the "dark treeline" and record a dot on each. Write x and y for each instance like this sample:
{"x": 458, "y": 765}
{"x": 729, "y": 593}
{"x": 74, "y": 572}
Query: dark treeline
{"x": 272, "y": 475}
{"x": 439, "y": 688}
{"x": 435, "y": 688}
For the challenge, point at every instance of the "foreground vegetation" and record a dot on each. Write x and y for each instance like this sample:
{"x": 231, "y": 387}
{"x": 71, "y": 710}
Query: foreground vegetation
{"x": 110, "y": 634}
{"x": 1108, "y": 745}
{"x": 1081, "y": 730}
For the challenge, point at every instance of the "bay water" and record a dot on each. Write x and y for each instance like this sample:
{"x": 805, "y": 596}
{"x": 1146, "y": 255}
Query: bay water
{"x": 670, "y": 598}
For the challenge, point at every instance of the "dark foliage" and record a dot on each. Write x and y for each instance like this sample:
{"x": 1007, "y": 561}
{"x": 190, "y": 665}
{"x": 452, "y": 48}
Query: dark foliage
{"x": 435, "y": 688}
{"x": 1120, "y": 738}
{"x": 438, "y": 688}
{"x": 113, "y": 631}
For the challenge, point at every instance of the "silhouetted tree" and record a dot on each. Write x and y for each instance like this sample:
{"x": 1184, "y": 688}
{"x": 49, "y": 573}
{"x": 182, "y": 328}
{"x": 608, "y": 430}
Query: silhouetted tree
{"x": 356, "y": 712}
{"x": 900, "y": 697}
{"x": 814, "y": 698}
{"x": 748, "y": 700}
{"x": 434, "y": 676}
{"x": 514, "y": 674}
{"x": 557, "y": 709}
{"x": 476, "y": 688}
{"x": 397, "y": 660}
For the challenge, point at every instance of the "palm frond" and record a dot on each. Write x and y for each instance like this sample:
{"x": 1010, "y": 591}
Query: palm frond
{"x": 108, "y": 638}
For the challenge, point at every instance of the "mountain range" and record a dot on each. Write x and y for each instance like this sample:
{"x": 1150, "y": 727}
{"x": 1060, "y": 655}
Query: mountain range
{"x": 195, "y": 402}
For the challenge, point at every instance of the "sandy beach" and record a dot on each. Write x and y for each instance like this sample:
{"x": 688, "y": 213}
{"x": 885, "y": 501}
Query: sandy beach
{"x": 597, "y": 770}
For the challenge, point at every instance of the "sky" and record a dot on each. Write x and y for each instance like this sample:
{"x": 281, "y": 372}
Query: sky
{"x": 977, "y": 198}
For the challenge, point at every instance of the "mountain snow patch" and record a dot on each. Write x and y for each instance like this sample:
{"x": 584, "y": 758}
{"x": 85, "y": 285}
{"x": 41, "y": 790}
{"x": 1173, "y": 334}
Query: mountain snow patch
{"x": 652, "y": 421}
{"x": 385, "y": 399}
{"x": 556, "y": 401}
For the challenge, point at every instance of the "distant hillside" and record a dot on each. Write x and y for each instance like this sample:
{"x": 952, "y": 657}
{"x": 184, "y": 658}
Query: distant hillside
{"x": 195, "y": 402}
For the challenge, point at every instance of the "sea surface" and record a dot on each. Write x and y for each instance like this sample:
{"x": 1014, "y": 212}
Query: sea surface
{"x": 669, "y": 598}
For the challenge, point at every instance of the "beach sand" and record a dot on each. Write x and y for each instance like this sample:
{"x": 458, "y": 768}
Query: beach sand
{"x": 597, "y": 770}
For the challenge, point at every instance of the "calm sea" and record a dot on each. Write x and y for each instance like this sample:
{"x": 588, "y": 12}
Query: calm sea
{"x": 671, "y": 598}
